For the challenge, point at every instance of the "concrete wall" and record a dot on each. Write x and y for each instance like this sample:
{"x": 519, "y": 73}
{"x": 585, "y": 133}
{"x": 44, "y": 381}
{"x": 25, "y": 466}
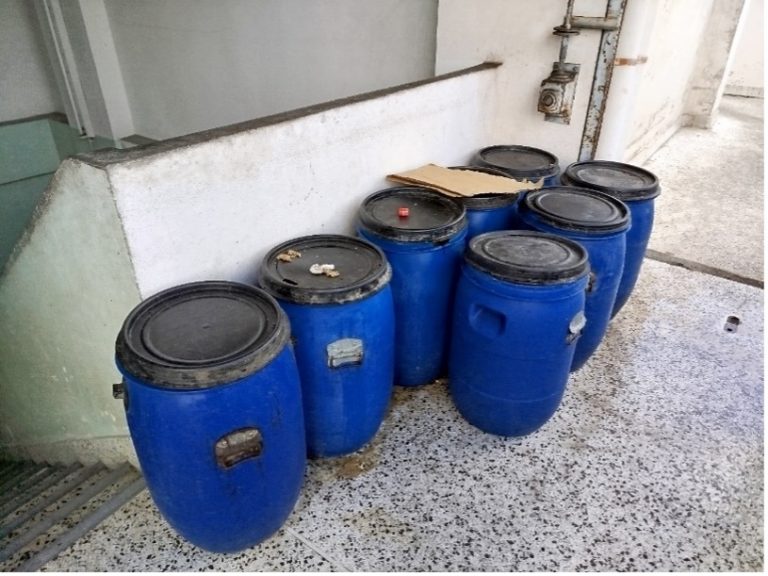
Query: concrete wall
{"x": 519, "y": 33}
{"x": 27, "y": 87}
{"x": 713, "y": 60}
{"x": 206, "y": 207}
{"x": 212, "y": 210}
{"x": 190, "y": 65}
{"x": 660, "y": 103}
{"x": 62, "y": 301}
{"x": 746, "y": 74}
{"x": 30, "y": 152}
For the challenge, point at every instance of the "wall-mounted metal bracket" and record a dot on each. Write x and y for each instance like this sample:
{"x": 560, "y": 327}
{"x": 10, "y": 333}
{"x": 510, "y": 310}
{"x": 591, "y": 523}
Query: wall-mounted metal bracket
{"x": 595, "y": 22}
{"x": 558, "y": 92}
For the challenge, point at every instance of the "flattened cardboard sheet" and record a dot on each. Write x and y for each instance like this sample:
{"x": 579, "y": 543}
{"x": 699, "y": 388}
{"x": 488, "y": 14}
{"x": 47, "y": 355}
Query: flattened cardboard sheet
{"x": 461, "y": 182}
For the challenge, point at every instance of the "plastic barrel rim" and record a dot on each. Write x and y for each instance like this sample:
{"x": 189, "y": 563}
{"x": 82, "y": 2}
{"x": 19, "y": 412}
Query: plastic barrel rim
{"x": 412, "y": 214}
{"x": 489, "y": 200}
{"x": 578, "y": 209}
{"x": 624, "y": 181}
{"x": 528, "y": 257}
{"x": 519, "y": 161}
{"x": 294, "y": 269}
{"x": 201, "y": 335}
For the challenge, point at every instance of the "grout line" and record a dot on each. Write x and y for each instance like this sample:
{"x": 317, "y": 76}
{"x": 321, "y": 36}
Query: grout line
{"x": 60, "y": 514}
{"x": 52, "y": 550}
{"x": 336, "y": 563}
{"x": 703, "y": 268}
{"x": 25, "y": 178}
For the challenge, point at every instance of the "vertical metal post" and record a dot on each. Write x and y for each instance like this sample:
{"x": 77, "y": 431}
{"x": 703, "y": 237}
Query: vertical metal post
{"x": 64, "y": 64}
{"x": 601, "y": 82}
{"x": 564, "y": 39}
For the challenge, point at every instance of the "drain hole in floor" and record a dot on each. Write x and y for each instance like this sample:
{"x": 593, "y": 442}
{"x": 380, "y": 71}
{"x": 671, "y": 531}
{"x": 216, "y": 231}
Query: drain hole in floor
{"x": 731, "y": 323}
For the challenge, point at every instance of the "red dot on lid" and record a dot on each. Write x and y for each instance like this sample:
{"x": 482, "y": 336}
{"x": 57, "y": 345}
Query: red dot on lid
{"x": 403, "y": 212}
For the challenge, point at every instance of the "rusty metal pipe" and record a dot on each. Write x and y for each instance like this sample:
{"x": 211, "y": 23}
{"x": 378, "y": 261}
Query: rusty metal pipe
{"x": 565, "y": 38}
{"x": 568, "y": 14}
{"x": 601, "y": 81}
{"x": 595, "y": 23}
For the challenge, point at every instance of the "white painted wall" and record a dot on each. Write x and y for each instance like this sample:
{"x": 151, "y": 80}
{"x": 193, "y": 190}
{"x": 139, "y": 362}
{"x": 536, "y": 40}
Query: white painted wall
{"x": 519, "y": 33}
{"x": 107, "y": 237}
{"x": 660, "y": 103}
{"x": 190, "y": 65}
{"x": 746, "y": 74}
{"x": 212, "y": 210}
{"x": 91, "y": 62}
{"x": 27, "y": 87}
{"x": 713, "y": 60}
{"x": 631, "y": 55}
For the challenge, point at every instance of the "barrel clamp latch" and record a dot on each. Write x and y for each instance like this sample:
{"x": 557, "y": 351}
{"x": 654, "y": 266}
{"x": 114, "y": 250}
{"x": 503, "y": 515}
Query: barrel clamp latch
{"x": 575, "y": 326}
{"x": 345, "y": 352}
{"x": 238, "y": 446}
{"x": 120, "y": 392}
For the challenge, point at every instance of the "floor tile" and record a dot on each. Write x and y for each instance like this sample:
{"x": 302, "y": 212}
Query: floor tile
{"x": 653, "y": 462}
{"x": 710, "y": 209}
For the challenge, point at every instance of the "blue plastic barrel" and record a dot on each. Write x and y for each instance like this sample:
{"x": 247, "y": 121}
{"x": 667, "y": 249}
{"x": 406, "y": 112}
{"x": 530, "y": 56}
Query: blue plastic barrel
{"x": 213, "y": 402}
{"x": 638, "y": 188}
{"x": 542, "y": 168}
{"x": 518, "y": 314}
{"x": 343, "y": 326}
{"x": 490, "y": 210}
{"x": 599, "y": 222}
{"x": 422, "y": 234}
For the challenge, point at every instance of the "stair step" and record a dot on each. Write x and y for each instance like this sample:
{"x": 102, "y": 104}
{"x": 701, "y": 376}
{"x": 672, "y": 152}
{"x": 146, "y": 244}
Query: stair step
{"x": 45, "y": 509}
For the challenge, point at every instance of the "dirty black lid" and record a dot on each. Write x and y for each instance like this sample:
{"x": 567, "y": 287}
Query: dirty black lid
{"x": 579, "y": 209}
{"x": 202, "y": 334}
{"x": 519, "y": 161}
{"x": 412, "y": 214}
{"x": 487, "y": 200}
{"x": 624, "y": 181}
{"x": 362, "y": 268}
{"x": 528, "y": 257}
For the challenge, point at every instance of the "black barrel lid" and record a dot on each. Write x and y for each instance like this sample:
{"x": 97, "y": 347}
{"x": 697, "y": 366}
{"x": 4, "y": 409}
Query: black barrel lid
{"x": 528, "y": 257}
{"x": 487, "y": 200}
{"x": 625, "y": 181}
{"x": 519, "y": 161}
{"x": 581, "y": 209}
{"x": 293, "y": 270}
{"x": 431, "y": 217}
{"x": 202, "y": 334}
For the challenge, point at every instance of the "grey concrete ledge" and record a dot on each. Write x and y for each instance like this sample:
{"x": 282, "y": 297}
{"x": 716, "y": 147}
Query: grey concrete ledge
{"x": 108, "y": 157}
{"x": 744, "y": 91}
{"x": 703, "y": 268}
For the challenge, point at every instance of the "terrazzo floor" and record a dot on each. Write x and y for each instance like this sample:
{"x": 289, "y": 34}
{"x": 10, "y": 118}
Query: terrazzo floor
{"x": 653, "y": 462}
{"x": 711, "y": 206}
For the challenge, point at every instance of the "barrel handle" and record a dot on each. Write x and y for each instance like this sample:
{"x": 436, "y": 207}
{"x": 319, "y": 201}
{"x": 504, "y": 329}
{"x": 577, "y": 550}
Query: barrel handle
{"x": 238, "y": 446}
{"x": 120, "y": 392}
{"x": 591, "y": 281}
{"x": 575, "y": 326}
{"x": 487, "y": 321}
{"x": 345, "y": 352}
